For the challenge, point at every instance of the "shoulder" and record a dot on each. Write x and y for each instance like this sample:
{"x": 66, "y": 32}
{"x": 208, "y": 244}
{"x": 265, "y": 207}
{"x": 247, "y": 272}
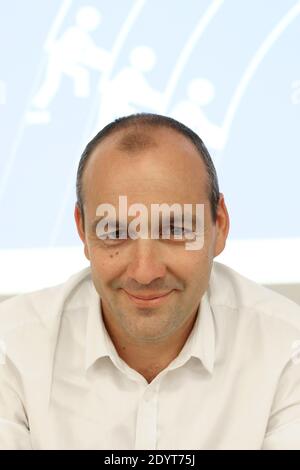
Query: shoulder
{"x": 259, "y": 312}
{"x": 41, "y": 307}
{"x": 232, "y": 289}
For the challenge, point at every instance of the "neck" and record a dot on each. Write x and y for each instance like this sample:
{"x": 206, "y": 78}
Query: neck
{"x": 148, "y": 358}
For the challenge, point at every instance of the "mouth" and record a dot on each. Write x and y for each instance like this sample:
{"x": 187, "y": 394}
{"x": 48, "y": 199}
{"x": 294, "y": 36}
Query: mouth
{"x": 149, "y": 302}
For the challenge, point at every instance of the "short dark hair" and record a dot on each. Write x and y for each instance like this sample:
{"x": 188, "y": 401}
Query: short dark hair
{"x": 140, "y": 121}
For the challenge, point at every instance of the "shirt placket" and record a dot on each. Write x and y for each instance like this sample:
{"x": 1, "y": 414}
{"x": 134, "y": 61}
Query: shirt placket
{"x": 146, "y": 422}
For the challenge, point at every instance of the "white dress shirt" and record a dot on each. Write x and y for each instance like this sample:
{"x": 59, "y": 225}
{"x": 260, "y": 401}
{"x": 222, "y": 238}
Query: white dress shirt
{"x": 234, "y": 385}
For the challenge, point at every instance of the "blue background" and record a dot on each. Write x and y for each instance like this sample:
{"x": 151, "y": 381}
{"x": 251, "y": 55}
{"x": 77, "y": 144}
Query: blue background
{"x": 259, "y": 165}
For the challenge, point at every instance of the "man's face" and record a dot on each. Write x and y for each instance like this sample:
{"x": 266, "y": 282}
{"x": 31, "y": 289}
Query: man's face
{"x": 169, "y": 171}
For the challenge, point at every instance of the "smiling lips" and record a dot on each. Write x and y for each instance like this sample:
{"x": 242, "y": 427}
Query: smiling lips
{"x": 148, "y": 297}
{"x": 149, "y": 300}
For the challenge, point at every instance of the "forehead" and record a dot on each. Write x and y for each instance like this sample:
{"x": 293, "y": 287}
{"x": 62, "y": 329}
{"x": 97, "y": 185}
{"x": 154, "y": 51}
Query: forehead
{"x": 148, "y": 165}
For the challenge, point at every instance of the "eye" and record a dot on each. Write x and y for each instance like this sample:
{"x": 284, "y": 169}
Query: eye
{"x": 178, "y": 231}
{"x": 114, "y": 236}
{"x": 118, "y": 234}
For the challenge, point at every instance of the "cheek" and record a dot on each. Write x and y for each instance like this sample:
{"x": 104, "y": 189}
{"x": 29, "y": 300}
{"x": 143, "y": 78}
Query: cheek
{"x": 105, "y": 263}
{"x": 197, "y": 259}
{"x": 198, "y": 266}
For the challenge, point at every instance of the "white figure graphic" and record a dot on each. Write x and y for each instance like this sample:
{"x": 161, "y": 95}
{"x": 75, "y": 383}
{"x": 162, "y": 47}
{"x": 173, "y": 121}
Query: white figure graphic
{"x": 72, "y": 54}
{"x": 129, "y": 91}
{"x": 2, "y": 92}
{"x": 200, "y": 92}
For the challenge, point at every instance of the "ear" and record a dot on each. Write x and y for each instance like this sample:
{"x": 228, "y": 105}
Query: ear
{"x": 80, "y": 229}
{"x": 222, "y": 226}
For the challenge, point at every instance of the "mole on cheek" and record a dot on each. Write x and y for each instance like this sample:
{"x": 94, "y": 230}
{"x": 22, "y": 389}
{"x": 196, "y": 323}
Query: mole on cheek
{"x": 113, "y": 255}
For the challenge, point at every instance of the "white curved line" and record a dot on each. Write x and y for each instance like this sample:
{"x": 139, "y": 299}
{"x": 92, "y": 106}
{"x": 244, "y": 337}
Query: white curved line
{"x": 123, "y": 33}
{"x": 57, "y": 24}
{"x": 135, "y": 11}
{"x": 256, "y": 60}
{"x": 189, "y": 46}
{"x": 119, "y": 42}
{"x": 127, "y": 25}
{"x": 20, "y": 132}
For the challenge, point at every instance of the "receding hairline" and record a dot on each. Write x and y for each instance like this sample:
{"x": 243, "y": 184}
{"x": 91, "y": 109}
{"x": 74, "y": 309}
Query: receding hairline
{"x": 140, "y": 121}
{"x": 136, "y": 138}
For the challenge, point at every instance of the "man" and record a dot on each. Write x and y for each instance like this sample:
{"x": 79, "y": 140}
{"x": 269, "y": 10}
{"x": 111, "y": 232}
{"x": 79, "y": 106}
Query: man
{"x": 155, "y": 346}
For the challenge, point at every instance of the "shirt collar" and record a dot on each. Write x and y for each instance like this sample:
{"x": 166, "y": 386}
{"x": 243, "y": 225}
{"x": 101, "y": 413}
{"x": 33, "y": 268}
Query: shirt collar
{"x": 200, "y": 343}
{"x": 96, "y": 343}
{"x": 203, "y": 335}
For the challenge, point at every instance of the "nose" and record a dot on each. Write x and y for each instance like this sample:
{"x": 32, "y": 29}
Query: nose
{"x": 146, "y": 261}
